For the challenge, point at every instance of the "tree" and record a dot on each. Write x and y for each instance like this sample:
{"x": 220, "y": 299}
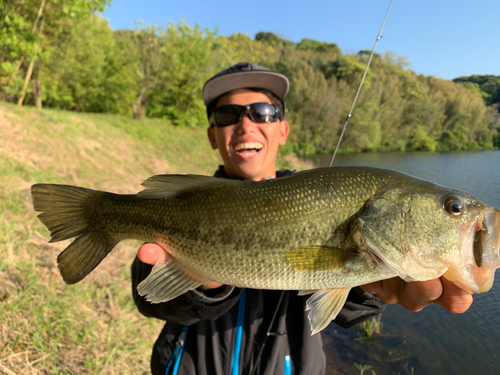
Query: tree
{"x": 272, "y": 39}
{"x": 18, "y": 40}
{"x": 318, "y": 46}
{"x": 313, "y": 108}
{"x": 488, "y": 84}
{"x": 365, "y": 133}
{"x": 242, "y": 48}
{"x": 367, "y": 53}
{"x": 32, "y": 30}
{"x": 346, "y": 68}
{"x": 88, "y": 72}
{"x": 173, "y": 65}
{"x": 150, "y": 59}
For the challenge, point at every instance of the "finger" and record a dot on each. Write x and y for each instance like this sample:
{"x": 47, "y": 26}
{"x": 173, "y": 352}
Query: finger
{"x": 210, "y": 285}
{"x": 413, "y": 296}
{"x": 419, "y": 294}
{"x": 151, "y": 253}
{"x": 387, "y": 290}
{"x": 453, "y": 298}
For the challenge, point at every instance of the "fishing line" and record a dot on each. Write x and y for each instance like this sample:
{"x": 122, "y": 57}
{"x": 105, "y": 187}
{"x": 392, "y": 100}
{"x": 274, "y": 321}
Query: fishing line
{"x": 349, "y": 115}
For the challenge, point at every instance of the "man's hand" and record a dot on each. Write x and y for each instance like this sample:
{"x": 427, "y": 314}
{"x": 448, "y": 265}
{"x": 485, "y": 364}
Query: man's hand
{"x": 414, "y": 296}
{"x": 151, "y": 253}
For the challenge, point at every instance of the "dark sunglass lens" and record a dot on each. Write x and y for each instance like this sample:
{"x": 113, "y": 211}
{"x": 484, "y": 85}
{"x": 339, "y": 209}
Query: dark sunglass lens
{"x": 227, "y": 115}
{"x": 263, "y": 112}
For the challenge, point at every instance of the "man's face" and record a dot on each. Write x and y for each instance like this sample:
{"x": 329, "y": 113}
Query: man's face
{"x": 248, "y": 149}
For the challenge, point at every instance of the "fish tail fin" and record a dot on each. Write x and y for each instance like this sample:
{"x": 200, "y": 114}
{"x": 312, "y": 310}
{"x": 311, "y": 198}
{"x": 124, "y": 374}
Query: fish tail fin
{"x": 66, "y": 212}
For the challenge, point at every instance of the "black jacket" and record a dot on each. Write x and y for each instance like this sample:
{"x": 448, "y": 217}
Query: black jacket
{"x": 212, "y": 317}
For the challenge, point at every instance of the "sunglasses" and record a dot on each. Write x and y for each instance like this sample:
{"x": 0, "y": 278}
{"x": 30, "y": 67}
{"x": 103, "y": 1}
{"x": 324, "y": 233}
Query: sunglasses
{"x": 259, "y": 113}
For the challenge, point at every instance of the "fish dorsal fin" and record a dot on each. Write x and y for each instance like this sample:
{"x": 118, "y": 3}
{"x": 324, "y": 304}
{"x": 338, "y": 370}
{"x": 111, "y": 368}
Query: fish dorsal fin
{"x": 167, "y": 185}
{"x": 168, "y": 280}
{"x": 325, "y": 305}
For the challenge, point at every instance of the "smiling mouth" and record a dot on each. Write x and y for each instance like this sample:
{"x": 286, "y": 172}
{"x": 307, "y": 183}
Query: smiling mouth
{"x": 248, "y": 148}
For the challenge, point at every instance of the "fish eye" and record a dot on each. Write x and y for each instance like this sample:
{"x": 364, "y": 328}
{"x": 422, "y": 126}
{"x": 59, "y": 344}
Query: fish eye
{"x": 454, "y": 206}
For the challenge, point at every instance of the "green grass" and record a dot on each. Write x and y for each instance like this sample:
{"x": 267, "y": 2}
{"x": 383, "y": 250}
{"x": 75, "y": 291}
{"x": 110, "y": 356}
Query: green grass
{"x": 92, "y": 327}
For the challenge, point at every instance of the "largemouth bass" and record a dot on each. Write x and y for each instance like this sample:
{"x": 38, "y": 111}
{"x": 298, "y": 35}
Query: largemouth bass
{"x": 321, "y": 231}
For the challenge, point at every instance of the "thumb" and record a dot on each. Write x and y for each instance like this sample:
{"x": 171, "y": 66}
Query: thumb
{"x": 151, "y": 253}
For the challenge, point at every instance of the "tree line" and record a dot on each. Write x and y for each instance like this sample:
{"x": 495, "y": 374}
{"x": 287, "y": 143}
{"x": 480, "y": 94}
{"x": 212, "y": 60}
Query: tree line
{"x": 63, "y": 54}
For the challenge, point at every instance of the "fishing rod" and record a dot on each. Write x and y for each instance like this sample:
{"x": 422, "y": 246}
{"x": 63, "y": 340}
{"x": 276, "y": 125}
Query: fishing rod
{"x": 349, "y": 115}
{"x": 268, "y": 333}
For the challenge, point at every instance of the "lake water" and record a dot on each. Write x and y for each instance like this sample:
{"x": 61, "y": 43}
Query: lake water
{"x": 432, "y": 341}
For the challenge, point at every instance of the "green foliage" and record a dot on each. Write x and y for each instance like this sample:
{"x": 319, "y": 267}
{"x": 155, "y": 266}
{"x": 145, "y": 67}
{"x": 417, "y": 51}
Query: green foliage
{"x": 313, "y": 108}
{"x": 365, "y": 132}
{"x": 367, "y": 53}
{"x": 81, "y": 74}
{"x": 241, "y": 48}
{"x": 157, "y": 71}
{"x": 16, "y": 42}
{"x": 487, "y": 85}
{"x": 346, "y": 68}
{"x": 496, "y": 140}
{"x": 476, "y": 89}
{"x": 421, "y": 141}
{"x": 317, "y": 46}
{"x": 190, "y": 60}
{"x": 29, "y": 30}
{"x": 272, "y": 39}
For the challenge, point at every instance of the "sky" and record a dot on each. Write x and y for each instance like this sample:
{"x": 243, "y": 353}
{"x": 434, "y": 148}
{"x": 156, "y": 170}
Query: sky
{"x": 443, "y": 38}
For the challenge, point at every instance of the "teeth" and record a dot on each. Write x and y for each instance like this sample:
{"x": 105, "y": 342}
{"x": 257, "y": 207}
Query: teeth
{"x": 248, "y": 145}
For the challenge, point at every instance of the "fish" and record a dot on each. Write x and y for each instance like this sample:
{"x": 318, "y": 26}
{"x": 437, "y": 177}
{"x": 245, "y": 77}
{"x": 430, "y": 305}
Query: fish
{"x": 321, "y": 232}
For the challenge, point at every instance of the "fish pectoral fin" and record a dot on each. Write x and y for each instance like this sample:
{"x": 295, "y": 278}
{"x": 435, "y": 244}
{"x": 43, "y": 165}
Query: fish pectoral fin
{"x": 318, "y": 258}
{"x": 167, "y": 185}
{"x": 324, "y": 306}
{"x": 169, "y": 280}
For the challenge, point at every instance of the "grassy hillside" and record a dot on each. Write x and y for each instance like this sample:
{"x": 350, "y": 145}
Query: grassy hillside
{"x": 47, "y": 326}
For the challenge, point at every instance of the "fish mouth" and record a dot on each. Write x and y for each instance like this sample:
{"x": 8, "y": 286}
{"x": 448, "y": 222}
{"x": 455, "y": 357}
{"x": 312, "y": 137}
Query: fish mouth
{"x": 480, "y": 254}
{"x": 248, "y": 149}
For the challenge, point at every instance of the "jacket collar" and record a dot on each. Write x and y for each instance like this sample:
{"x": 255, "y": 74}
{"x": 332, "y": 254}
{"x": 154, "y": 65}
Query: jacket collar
{"x": 222, "y": 173}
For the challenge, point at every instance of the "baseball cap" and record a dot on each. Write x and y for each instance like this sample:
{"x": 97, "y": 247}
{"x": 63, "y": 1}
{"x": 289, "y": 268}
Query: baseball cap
{"x": 245, "y": 75}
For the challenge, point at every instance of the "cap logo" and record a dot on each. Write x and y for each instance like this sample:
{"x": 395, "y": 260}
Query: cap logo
{"x": 240, "y": 67}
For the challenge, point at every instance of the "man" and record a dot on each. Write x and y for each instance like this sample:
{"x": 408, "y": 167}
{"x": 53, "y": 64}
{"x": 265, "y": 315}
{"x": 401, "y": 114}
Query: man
{"x": 219, "y": 329}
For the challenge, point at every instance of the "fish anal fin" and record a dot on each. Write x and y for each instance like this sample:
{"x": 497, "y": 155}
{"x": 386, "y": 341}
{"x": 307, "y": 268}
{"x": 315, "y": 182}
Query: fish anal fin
{"x": 317, "y": 258}
{"x": 168, "y": 280}
{"x": 324, "y": 306}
